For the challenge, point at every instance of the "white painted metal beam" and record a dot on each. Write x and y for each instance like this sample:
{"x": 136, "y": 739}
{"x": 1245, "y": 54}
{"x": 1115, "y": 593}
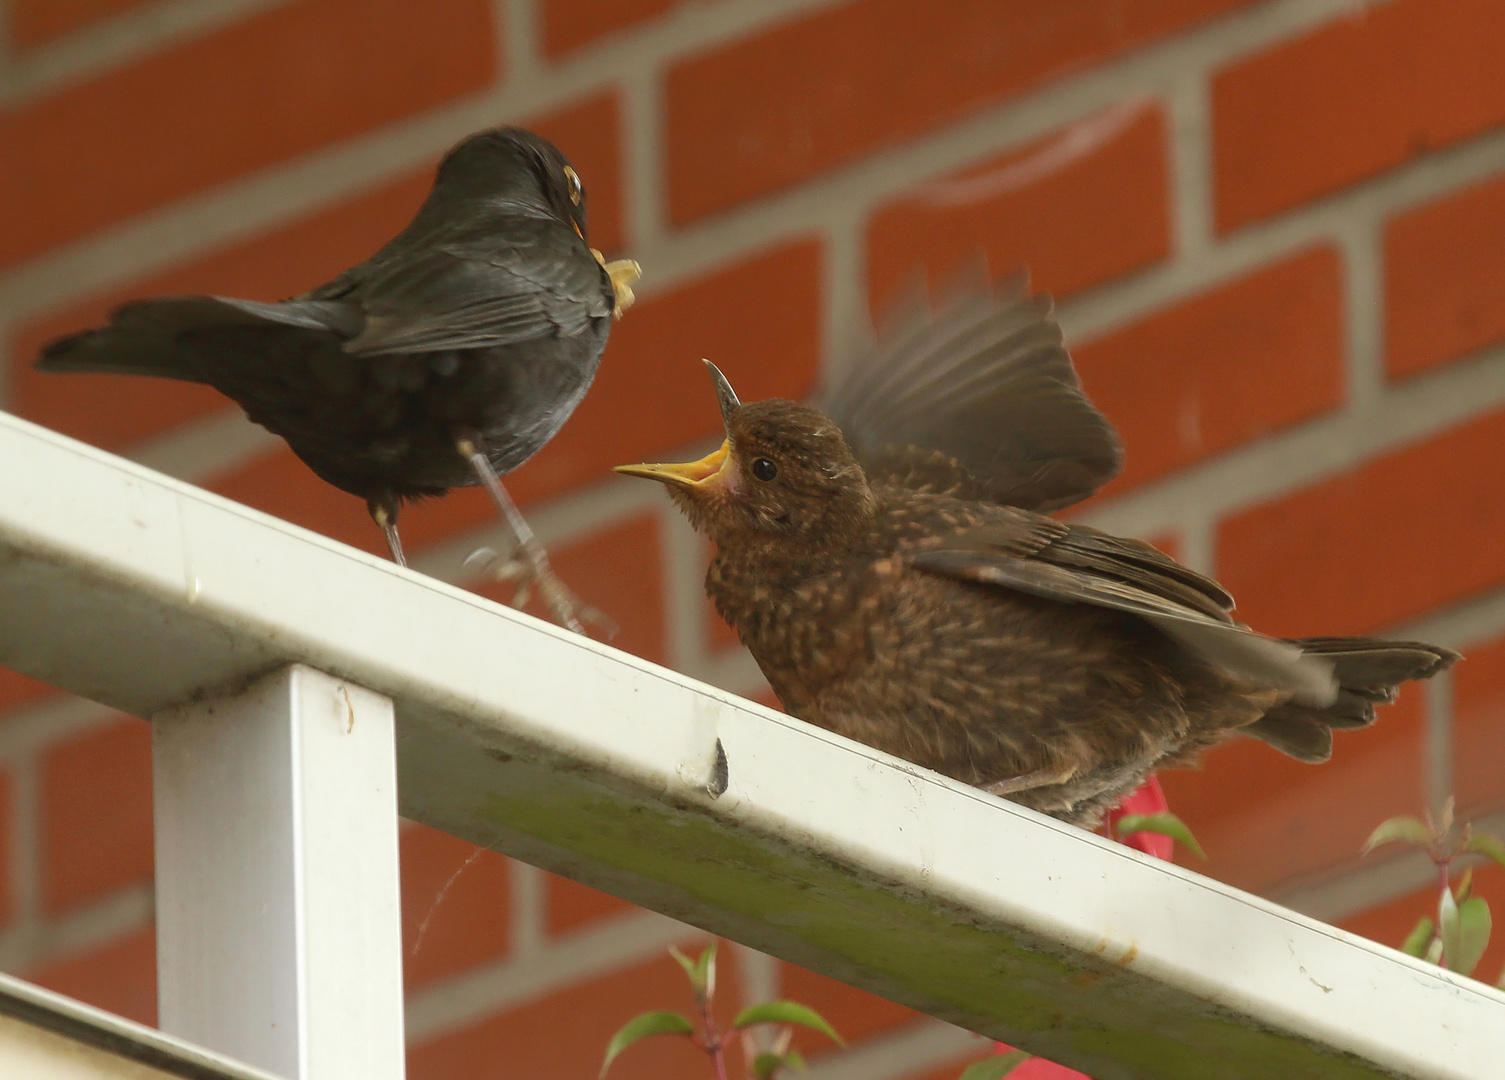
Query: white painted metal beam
{"x": 46, "y": 1036}
{"x": 279, "y": 933}
{"x": 144, "y": 593}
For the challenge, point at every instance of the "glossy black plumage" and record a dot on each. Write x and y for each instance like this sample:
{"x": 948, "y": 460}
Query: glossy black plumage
{"x": 477, "y": 329}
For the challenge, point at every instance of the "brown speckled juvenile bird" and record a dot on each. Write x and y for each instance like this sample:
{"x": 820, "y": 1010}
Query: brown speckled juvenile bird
{"x": 890, "y": 567}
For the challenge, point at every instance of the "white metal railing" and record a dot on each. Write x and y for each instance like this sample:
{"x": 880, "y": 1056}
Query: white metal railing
{"x": 154, "y": 597}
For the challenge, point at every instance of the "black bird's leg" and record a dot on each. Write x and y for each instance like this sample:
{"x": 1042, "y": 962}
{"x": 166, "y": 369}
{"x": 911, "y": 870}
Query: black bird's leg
{"x": 383, "y": 509}
{"x": 568, "y": 609}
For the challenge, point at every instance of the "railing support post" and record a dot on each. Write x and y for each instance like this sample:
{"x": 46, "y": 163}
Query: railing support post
{"x": 278, "y": 920}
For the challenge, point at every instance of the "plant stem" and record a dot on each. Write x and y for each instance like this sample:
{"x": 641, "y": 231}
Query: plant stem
{"x": 713, "y": 1041}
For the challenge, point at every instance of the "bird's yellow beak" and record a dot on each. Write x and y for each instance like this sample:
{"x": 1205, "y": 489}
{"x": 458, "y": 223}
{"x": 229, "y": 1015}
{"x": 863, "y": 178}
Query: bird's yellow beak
{"x": 707, "y": 470}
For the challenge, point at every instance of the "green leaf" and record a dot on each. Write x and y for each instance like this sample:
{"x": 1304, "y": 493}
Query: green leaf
{"x": 1418, "y": 939}
{"x": 1465, "y": 932}
{"x": 1399, "y": 830}
{"x": 1491, "y": 847}
{"x": 995, "y": 1067}
{"x": 701, "y": 971}
{"x": 786, "y": 1012}
{"x": 796, "y": 1061}
{"x": 640, "y": 1027}
{"x": 765, "y": 1065}
{"x": 1166, "y": 824}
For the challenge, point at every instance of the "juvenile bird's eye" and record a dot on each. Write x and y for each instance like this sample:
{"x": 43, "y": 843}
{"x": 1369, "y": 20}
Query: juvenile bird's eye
{"x": 576, "y": 192}
{"x": 764, "y": 469}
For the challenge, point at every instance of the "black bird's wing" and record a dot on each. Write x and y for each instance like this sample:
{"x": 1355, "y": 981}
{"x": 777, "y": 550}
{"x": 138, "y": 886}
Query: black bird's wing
{"x": 470, "y": 285}
{"x": 1074, "y": 564}
{"x": 986, "y": 383}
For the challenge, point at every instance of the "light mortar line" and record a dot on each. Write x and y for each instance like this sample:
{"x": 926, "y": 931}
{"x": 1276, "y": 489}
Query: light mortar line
{"x": 1474, "y": 621}
{"x": 1438, "y": 774}
{"x": 645, "y": 188}
{"x": 207, "y": 447}
{"x": 680, "y": 561}
{"x": 567, "y": 961}
{"x": 26, "y": 842}
{"x": 118, "y": 40}
{"x": 29, "y": 945}
{"x": 1297, "y": 457}
{"x": 918, "y": 1047}
{"x": 758, "y": 975}
{"x": 1190, "y": 163}
{"x": 528, "y": 909}
{"x": 1372, "y": 882}
{"x": 845, "y": 324}
{"x": 251, "y": 204}
{"x": 30, "y": 727}
{"x": 1364, "y": 311}
{"x": 1199, "y": 543}
{"x": 519, "y": 24}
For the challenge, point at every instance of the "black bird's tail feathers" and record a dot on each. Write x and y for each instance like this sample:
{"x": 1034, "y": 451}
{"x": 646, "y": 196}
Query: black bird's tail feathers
{"x": 166, "y": 336}
{"x": 1368, "y": 671}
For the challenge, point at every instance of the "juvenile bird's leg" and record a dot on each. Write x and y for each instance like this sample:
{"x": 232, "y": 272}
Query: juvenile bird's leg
{"x": 533, "y": 567}
{"x": 383, "y": 508}
{"x": 1039, "y": 778}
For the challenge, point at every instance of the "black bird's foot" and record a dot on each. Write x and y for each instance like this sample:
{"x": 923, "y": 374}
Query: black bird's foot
{"x": 532, "y": 562}
{"x": 568, "y": 609}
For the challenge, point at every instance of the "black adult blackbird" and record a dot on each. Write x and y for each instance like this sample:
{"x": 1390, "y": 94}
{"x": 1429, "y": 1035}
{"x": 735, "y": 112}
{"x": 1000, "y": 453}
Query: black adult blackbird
{"x": 888, "y": 565}
{"x": 447, "y": 358}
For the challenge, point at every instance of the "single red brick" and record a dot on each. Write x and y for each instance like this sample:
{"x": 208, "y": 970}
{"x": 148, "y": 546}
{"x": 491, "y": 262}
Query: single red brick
{"x": 1077, "y": 208}
{"x": 566, "y": 1033}
{"x": 115, "y": 410}
{"x": 758, "y": 320}
{"x": 572, "y": 905}
{"x": 769, "y": 110}
{"x": 7, "y": 825}
{"x": 34, "y": 22}
{"x": 568, "y": 24}
{"x": 1391, "y": 922}
{"x": 1479, "y": 729}
{"x": 96, "y": 811}
{"x": 1397, "y": 536}
{"x": 1356, "y": 96}
{"x": 279, "y": 84}
{"x": 1265, "y": 819}
{"x": 454, "y": 905}
{"x": 1194, "y": 380}
{"x": 120, "y": 977}
{"x": 1444, "y": 281}
{"x": 618, "y": 572}
{"x": 855, "y": 1014}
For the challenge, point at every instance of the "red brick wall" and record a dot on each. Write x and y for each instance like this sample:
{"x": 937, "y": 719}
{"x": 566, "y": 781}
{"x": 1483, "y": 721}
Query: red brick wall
{"x": 1276, "y": 228}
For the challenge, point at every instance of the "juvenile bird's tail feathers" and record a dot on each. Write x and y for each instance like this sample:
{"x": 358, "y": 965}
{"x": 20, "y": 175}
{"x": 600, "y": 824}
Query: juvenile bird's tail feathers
{"x": 1368, "y": 671}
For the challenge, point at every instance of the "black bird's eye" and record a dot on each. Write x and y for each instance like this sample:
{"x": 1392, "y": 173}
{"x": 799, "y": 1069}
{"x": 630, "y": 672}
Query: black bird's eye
{"x": 576, "y": 192}
{"x": 764, "y": 469}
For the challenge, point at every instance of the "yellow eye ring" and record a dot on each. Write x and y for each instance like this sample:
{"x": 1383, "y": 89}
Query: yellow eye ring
{"x": 576, "y": 192}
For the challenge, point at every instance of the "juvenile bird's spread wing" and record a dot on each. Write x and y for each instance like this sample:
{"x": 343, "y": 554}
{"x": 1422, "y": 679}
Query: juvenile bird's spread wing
{"x": 1074, "y": 564}
{"x": 472, "y": 285}
{"x": 986, "y": 383}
